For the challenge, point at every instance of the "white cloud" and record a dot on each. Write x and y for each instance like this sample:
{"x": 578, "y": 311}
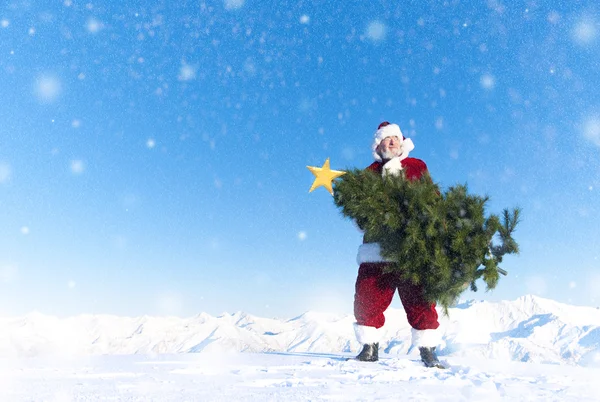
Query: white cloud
{"x": 5, "y": 172}
{"x": 585, "y": 31}
{"x": 487, "y": 81}
{"x": 233, "y": 4}
{"x": 47, "y": 88}
{"x": 376, "y": 31}
{"x": 77, "y": 167}
{"x": 591, "y": 130}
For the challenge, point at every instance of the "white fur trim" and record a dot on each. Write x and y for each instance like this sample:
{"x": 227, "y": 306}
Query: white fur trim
{"x": 366, "y": 335}
{"x": 393, "y": 167}
{"x": 425, "y": 337}
{"x": 369, "y": 252}
{"x": 407, "y": 146}
{"x": 391, "y": 130}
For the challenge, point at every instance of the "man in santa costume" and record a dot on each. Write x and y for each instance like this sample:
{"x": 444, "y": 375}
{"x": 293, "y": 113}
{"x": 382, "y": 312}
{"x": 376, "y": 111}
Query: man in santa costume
{"x": 375, "y": 289}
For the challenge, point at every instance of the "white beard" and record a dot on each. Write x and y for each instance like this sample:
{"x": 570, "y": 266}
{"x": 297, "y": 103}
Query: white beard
{"x": 389, "y": 154}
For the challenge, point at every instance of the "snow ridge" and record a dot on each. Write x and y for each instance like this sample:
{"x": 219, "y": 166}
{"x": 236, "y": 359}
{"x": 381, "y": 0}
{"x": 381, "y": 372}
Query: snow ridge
{"x": 528, "y": 329}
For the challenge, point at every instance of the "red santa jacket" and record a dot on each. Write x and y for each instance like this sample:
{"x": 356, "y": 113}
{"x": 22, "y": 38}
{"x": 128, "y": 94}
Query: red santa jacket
{"x": 414, "y": 169}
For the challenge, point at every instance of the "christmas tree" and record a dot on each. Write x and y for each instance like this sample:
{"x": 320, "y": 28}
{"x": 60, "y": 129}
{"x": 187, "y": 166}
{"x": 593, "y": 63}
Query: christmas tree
{"x": 442, "y": 241}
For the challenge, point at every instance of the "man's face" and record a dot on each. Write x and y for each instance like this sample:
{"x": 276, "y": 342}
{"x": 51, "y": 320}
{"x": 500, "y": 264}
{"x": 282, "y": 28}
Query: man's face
{"x": 389, "y": 147}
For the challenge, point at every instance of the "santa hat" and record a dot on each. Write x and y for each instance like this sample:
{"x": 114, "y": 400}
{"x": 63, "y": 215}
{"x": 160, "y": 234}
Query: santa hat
{"x": 387, "y": 129}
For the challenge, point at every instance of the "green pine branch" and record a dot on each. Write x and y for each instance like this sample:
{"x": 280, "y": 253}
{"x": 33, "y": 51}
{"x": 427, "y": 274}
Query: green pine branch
{"x": 440, "y": 240}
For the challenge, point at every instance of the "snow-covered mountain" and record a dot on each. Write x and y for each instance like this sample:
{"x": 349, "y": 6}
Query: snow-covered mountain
{"x": 527, "y": 329}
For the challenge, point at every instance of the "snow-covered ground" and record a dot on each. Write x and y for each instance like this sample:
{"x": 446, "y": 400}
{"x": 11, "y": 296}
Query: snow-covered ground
{"x": 527, "y": 349}
{"x": 288, "y": 377}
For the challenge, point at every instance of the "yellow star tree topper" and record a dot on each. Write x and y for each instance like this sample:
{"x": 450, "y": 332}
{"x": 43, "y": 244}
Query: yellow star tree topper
{"x": 324, "y": 176}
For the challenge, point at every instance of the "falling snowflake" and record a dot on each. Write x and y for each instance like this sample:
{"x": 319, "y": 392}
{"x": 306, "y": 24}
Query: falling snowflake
{"x": 120, "y": 242}
{"x": 8, "y": 273}
{"x": 376, "y": 31}
{"x": 169, "y": 303}
{"x": 47, "y": 88}
{"x": 77, "y": 167}
{"x": 186, "y": 73}
{"x": 439, "y": 123}
{"x": 348, "y": 153}
{"x": 302, "y": 236}
{"x": 487, "y": 81}
{"x": 94, "y": 26}
{"x": 584, "y": 31}
{"x": 536, "y": 285}
{"x": 233, "y": 4}
{"x": 593, "y": 285}
{"x": 591, "y": 130}
{"x": 250, "y": 67}
{"x": 304, "y": 19}
{"x": 553, "y": 17}
{"x": 5, "y": 172}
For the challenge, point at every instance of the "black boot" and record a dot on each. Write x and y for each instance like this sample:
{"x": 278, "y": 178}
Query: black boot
{"x": 429, "y": 357}
{"x": 370, "y": 353}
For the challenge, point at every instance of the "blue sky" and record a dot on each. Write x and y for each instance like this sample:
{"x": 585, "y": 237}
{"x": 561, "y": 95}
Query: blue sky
{"x": 153, "y": 157}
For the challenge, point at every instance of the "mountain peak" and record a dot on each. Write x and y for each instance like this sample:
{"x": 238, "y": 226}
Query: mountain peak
{"x": 530, "y": 328}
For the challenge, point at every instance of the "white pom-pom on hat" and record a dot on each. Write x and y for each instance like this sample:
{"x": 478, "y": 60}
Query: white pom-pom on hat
{"x": 387, "y": 129}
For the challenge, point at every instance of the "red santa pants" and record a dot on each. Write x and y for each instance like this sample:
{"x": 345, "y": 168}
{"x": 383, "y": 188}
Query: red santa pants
{"x": 374, "y": 294}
